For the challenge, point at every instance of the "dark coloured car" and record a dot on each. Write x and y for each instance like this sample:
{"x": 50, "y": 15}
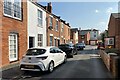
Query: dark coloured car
{"x": 100, "y": 45}
{"x": 79, "y": 46}
{"x": 68, "y": 49}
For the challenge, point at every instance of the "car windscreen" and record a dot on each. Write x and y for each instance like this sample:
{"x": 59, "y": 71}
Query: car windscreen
{"x": 35, "y": 51}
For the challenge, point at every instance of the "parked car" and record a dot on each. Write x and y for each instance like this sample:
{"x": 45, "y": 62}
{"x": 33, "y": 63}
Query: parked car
{"x": 79, "y": 46}
{"x": 42, "y": 59}
{"x": 74, "y": 50}
{"x": 100, "y": 45}
{"x": 67, "y": 48}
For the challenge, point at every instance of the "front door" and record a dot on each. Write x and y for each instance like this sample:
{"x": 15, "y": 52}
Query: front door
{"x": 58, "y": 42}
{"x": 31, "y": 42}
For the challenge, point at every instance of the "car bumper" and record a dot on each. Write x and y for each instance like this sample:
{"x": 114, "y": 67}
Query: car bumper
{"x": 33, "y": 67}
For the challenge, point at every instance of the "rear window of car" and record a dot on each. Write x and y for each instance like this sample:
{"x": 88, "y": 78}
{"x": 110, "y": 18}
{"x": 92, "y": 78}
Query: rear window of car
{"x": 63, "y": 45}
{"x": 79, "y": 44}
{"x": 35, "y": 51}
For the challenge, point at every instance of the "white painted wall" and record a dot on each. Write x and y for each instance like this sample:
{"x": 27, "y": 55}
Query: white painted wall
{"x": 33, "y": 28}
{"x": 92, "y": 33}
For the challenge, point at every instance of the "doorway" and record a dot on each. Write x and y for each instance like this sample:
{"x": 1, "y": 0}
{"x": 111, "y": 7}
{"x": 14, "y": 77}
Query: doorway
{"x": 31, "y": 42}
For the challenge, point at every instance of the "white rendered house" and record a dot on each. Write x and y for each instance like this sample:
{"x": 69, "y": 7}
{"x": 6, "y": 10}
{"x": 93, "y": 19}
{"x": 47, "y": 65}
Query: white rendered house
{"x": 36, "y": 16}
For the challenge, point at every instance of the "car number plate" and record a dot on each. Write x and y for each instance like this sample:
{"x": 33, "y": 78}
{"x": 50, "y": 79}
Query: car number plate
{"x": 29, "y": 66}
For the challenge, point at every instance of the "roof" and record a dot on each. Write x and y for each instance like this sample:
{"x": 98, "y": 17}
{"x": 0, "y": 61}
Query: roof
{"x": 116, "y": 15}
{"x": 44, "y": 8}
{"x": 82, "y": 32}
{"x": 74, "y": 29}
{"x": 91, "y": 30}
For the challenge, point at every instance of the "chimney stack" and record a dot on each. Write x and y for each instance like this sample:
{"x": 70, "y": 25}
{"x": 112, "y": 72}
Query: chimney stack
{"x": 49, "y": 7}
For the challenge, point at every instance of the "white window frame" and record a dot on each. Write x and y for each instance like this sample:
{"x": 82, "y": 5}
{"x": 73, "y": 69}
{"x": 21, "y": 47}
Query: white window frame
{"x": 51, "y": 41}
{"x": 13, "y": 10}
{"x": 16, "y": 58}
{"x": 40, "y": 17}
{"x": 40, "y": 39}
{"x": 56, "y": 25}
{"x": 62, "y": 27}
{"x": 51, "y": 21}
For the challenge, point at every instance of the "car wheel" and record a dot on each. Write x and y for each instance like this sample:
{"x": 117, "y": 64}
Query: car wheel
{"x": 65, "y": 59}
{"x": 76, "y": 52}
{"x": 51, "y": 67}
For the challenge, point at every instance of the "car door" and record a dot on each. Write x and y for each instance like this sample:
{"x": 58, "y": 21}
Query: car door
{"x": 60, "y": 55}
{"x": 54, "y": 55}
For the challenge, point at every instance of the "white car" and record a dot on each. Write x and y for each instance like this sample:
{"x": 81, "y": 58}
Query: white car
{"x": 42, "y": 59}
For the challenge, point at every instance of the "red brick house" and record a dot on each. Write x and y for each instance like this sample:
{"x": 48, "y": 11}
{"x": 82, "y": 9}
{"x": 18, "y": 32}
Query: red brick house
{"x": 114, "y": 29}
{"x": 74, "y": 35}
{"x": 13, "y": 31}
{"x": 57, "y": 29}
{"x": 84, "y": 36}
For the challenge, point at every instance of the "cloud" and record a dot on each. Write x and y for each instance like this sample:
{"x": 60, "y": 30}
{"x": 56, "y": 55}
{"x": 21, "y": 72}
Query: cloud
{"x": 102, "y": 23}
{"x": 109, "y": 10}
{"x": 97, "y": 11}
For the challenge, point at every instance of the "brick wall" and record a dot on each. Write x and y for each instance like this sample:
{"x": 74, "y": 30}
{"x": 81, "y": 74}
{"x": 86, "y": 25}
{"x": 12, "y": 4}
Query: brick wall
{"x": 86, "y": 38}
{"x": 61, "y": 36}
{"x": 114, "y": 30}
{"x": 0, "y": 33}
{"x": 67, "y": 33}
{"x": 12, "y": 25}
{"x": 111, "y": 26}
{"x": 52, "y": 31}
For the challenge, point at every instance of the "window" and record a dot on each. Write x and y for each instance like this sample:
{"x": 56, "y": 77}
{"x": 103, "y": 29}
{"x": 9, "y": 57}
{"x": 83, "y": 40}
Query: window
{"x": 40, "y": 39}
{"x": 13, "y": 47}
{"x": 82, "y": 37}
{"x": 62, "y": 26}
{"x": 51, "y": 22}
{"x": 12, "y": 8}
{"x": 51, "y": 40}
{"x": 40, "y": 17}
{"x": 111, "y": 41}
{"x": 94, "y": 35}
{"x": 35, "y": 51}
{"x": 56, "y": 25}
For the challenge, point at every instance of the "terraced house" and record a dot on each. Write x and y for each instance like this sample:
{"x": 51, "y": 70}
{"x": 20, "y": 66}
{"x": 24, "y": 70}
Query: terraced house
{"x": 114, "y": 30}
{"x": 25, "y": 24}
{"x": 36, "y": 24}
{"x": 58, "y": 31}
{"x": 13, "y": 29}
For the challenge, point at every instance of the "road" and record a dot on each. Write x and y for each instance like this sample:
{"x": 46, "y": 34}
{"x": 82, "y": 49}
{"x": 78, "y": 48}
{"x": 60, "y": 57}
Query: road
{"x": 87, "y": 64}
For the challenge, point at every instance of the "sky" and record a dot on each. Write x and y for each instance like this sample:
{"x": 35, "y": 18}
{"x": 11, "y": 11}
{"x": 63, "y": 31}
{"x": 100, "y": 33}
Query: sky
{"x": 85, "y": 15}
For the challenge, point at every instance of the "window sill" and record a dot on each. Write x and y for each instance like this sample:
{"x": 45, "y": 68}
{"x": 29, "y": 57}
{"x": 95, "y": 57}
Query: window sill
{"x": 12, "y": 17}
{"x": 40, "y": 26}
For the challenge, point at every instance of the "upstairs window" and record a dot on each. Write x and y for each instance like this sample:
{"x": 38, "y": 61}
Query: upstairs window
{"x": 40, "y": 18}
{"x": 51, "y": 22}
{"x": 12, "y": 8}
{"x": 82, "y": 37}
{"x": 62, "y": 27}
{"x": 56, "y": 26}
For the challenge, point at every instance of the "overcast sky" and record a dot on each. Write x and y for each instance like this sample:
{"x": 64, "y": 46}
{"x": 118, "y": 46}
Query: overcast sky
{"x": 86, "y": 15}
